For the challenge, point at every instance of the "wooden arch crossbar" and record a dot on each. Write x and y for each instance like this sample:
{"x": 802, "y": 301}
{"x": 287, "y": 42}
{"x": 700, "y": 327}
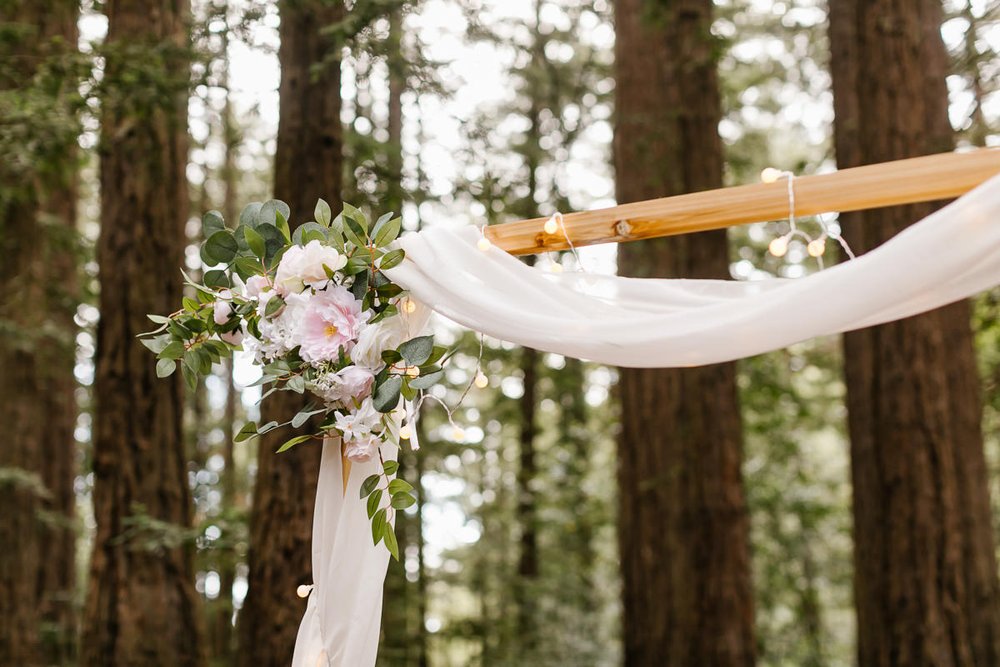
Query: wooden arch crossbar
{"x": 921, "y": 179}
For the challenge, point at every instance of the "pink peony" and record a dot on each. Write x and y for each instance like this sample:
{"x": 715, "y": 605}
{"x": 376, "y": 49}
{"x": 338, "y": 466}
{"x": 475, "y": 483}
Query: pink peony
{"x": 332, "y": 320}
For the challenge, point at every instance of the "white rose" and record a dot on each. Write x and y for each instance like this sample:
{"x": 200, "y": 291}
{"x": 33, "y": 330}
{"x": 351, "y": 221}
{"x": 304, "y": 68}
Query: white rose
{"x": 221, "y": 310}
{"x": 303, "y": 265}
{"x": 376, "y": 339}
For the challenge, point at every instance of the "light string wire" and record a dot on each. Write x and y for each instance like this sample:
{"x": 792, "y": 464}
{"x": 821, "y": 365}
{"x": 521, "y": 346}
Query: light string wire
{"x": 815, "y": 247}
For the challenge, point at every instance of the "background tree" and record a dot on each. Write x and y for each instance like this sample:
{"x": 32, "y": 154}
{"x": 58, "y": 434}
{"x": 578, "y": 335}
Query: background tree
{"x": 141, "y": 603}
{"x": 307, "y": 166}
{"x": 926, "y": 585}
{"x": 39, "y": 105}
{"x": 683, "y": 520}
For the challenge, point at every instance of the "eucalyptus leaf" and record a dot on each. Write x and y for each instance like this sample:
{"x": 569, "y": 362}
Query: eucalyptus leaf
{"x": 255, "y": 241}
{"x": 248, "y": 216}
{"x": 292, "y": 442}
{"x": 211, "y": 223}
{"x": 323, "y": 213}
{"x": 418, "y": 350}
{"x": 427, "y": 381}
{"x": 386, "y": 396}
{"x": 248, "y": 431}
{"x": 221, "y": 246}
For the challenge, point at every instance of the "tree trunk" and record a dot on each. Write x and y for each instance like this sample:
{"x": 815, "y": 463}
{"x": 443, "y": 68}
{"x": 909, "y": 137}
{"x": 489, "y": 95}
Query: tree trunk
{"x": 37, "y": 403}
{"x": 142, "y": 608}
{"x": 307, "y": 166}
{"x": 926, "y": 585}
{"x": 683, "y": 517}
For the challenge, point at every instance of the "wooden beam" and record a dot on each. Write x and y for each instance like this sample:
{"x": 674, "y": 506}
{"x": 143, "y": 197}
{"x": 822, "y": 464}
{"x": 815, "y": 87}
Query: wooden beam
{"x": 919, "y": 179}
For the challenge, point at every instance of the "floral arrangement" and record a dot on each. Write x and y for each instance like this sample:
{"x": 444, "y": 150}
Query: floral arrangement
{"x": 319, "y": 315}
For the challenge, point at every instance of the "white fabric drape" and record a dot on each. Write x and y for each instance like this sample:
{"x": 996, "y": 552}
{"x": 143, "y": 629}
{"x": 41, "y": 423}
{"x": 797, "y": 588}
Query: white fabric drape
{"x": 949, "y": 255}
{"x": 341, "y": 625}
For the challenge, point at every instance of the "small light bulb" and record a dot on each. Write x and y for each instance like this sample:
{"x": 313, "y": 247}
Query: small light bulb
{"x": 457, "y": 433}
{"x": 303, "y": 591}
{"x": 551, "y": 227}
{"x": 816, "y": 247}
{"x": 770, "y": 175}
{"x": 411, "y": 305}
{"x": 778, "y": 247}
{"x": 412, "y": 371}
{"x": 484, "y": 244}
{"x": 481, "y": 380}
{"x": 556, "y": 267}
{"x": 404, "y": 432}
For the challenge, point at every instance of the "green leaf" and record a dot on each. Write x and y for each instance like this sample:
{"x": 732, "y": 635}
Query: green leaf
{"x": 402, "y": 500}
{"x": 292, "y": 442}
{"x": 427, "y": 381}
{"x": 248, "y": 216}
{"x": 268, "y": 213}
{"x": 399, "y": 486}
{"x": 374, "y": 500}
{"x": 216, "y": 278}
{"x": 418, "y": 350}
{"x": 378, "y": 526}
{"x": 211, "y": 223}
{"x": 356, "y": 265}
{"x": 190, "y": 377}
{"x": 322, "y": 213}
{"x": 390, "y": 540}
{"x": 256, "y": 242}
{"x": 157, "y": 344}
{"x": 296, "y": 383}
{"x": 248, "y": 266}
{"x": 165, "y": 368}
{"x": 390, "y": 467}
{"x": 303, "y": 416}
{"x": 387, "y": 232}
{"x": 174, "y": 350}
{"x": 387, "y": 394}
{"x": 355, "y": 233}
{"x": 158, "y": 319}
{"x": 391, "y": 259}
{"x": 369, "y": 485}
{"x": 307, "y": 232}
{"x": 274, "y": 304}
{"x": 221, "y": 246}
{"x": 282, "y": 225}
{"x": 355, "y": 214}
{"x": 248, "y": 431}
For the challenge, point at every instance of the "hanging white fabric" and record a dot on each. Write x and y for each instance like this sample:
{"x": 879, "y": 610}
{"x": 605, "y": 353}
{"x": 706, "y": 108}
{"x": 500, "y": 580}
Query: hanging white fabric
{"x": 952, "y": 254}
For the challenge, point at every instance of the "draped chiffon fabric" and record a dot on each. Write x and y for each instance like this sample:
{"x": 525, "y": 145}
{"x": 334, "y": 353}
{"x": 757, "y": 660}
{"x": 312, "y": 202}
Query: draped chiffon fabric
{"x": 949, "y": 255}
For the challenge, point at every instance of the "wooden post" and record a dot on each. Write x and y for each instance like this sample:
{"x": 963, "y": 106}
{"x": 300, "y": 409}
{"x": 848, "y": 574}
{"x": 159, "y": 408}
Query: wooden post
{"x": 921, "y": 179}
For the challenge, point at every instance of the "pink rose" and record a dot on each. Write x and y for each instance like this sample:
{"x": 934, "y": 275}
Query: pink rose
{"x": 332, "y": 320}
{"x": 221, "y": 311}
{"x": 347, "y": 385}
{"x": 363, "y": 449}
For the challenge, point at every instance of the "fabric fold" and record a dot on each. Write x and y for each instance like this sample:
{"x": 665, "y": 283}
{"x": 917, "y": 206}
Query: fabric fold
{"x": 952, "y": 254}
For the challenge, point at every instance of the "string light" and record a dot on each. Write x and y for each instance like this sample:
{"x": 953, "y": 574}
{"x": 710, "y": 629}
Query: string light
{"x": 484, "y": 244}
{"x": 457, "y": 433}
{"x": 411, "y": 306}
{"x": 555, "y": 267}
{"x": 303, "y": 591}
{"x": 551, "y": 226}
{"x": 771, "y": 175}
{"x": 816, "y": 247}
{"x": 405, "y": 432}
{"x": 779, "y": 246}
{"x": 412, "y": 371}
{"x": 481, "y": 380}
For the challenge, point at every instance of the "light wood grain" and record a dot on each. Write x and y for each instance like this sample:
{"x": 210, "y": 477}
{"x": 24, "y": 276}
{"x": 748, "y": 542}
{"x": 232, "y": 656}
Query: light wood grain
{"x": 919, "y": 179}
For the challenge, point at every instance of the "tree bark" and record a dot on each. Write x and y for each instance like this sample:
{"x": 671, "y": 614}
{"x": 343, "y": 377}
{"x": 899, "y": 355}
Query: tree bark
{"x": 926, "y": 587}
{"x": 683, "y": 519}
{"x": 308, "y": 165}
{"x": 141, "y": 608}
{"x": 37, "y": 403}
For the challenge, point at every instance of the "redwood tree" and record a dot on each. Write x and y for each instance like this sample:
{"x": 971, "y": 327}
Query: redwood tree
{"x": 38, "y": 102}
{"x": 683, "y": 519}
{"x": 307, "y": 166}
{"x": 141, "y": 607}
{"x": 926, "y": 586}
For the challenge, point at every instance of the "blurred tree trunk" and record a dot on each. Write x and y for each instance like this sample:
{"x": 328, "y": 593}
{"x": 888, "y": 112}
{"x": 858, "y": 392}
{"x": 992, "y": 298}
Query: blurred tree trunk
{"x": 307, "y": 165}
{"x": 683, "y": 517}
{"x": 142, "y": 608}
{"x": 926, "y": 587}
{"x": 37, "y": 403}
